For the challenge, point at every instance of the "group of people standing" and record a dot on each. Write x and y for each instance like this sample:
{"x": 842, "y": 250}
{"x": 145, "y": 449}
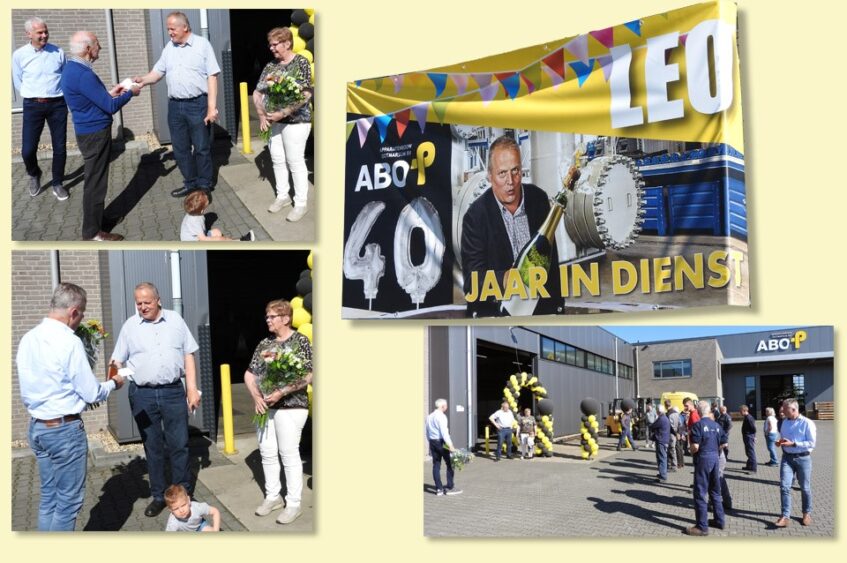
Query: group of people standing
{"x": 51, "y": 84}
{"x": 157, "y": 349}
{"x": 706, "y": 431}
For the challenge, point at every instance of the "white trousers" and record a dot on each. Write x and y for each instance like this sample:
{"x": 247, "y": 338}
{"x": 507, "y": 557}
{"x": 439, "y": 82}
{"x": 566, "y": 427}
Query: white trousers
{"x": 288, "y": 147}
{"x": 281, "y": 438}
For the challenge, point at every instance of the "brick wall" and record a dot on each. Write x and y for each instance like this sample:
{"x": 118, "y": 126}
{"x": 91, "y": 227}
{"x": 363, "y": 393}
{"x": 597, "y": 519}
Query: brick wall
{"x": 705, "y": 356}
{"x": 31, "y": 293}
{"x": 131, "y": 44}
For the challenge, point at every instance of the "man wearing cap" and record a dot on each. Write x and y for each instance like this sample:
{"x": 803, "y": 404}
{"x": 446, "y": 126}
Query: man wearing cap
{"x": 36, "y": 73}
{"x": 798, "y": 438}
{"x": 56, "y": 384}
{"x": 191, "y": 71}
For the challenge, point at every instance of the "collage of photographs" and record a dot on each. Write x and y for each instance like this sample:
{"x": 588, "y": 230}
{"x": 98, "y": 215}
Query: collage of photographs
{"x": 553, "y": 242}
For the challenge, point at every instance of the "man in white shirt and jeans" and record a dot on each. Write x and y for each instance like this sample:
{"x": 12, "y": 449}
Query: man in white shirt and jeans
{"x": 439, "y": 439}
{"x": 503, "y": 420}
{"x": 56, "y": 384}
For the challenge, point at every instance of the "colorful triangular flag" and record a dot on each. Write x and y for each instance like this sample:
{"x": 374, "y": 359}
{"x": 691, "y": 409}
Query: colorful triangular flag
{"x": 555, "y": 77}
{"x": 634, "y": 26}
{"x": 401, "y": 119}
{"x": 440, "y": 108}
{"x": 397, "y": 79}
{"x": 358, "y": 83}
{"x": 439, "y": 79}
{"x": 350, "y": 125}
{"x": 488, "y": 93}
{"x": 578, "y": 47}
{"x": 378, "y": 83}
{"x": 606, "y": 37}
{"x": 532, "y": 76}
{"x": 582, "y": 70}
{"x": 555, "y": 61}
{"x": 363, "y": 125}
{"x": 461, "y": 81}
{"x": 682, "y": 39}
{"x": 483, "y": 80}
{"x": 511, "y": 83}
{"x": 420, "y": 110}
{"x": 605, "y": 63}
{"x": 382, "y": 123}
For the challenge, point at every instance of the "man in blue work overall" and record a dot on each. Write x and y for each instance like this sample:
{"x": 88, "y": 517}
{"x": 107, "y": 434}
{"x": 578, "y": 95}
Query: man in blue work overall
{"x": 707, "y": 437}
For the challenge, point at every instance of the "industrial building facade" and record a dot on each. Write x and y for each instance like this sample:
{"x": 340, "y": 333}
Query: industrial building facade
{"x": 470, "y": 366}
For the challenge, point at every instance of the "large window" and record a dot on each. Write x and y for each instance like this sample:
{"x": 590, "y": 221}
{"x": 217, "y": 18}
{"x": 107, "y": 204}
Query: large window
{"x": 562, "y": 353}
{"x": 672, "y": 368}
{"x": 750, "y": 392}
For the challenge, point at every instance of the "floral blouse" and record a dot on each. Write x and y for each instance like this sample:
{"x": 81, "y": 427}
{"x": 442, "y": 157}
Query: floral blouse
{"x": 298, "y": 399}
{"x": 304, "y": 113}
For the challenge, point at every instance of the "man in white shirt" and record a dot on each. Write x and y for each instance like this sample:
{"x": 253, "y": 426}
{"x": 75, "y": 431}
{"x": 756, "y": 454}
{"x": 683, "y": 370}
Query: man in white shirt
{"x": 36, "y": 73}
{"x": 798, "y": 438}
{"x": 439, "y": 439}
{"x": 56, "y": 384}
{"x": 503, "y": 420}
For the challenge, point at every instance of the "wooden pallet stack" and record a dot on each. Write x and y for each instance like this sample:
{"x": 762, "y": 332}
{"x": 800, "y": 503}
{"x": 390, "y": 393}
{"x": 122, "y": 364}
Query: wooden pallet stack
{"x": 823, "y": 410}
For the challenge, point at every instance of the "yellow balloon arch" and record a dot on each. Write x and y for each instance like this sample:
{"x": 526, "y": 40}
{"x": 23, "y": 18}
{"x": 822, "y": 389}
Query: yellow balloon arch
{"x": 544, "y": 430}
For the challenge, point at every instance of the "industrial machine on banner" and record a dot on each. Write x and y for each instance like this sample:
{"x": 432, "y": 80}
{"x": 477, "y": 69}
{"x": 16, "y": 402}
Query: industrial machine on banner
{"x": 601, "y": 172}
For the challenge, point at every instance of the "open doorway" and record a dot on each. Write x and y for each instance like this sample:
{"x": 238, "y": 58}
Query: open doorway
{"x": 777, "y": 388}
{"x": 494, "y": 364}
{"x": 240, "y": 284}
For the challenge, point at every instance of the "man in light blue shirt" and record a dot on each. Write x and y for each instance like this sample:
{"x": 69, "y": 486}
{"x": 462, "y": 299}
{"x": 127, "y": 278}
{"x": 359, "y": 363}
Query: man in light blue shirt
{"x": 191, "y": 71}
{"x": 36, "y": 72}
{"x": 438, "y": 436}
{"x": 798, "y": 437}
{"x": 158, "y": 347}
{"x": 56, "y": 384}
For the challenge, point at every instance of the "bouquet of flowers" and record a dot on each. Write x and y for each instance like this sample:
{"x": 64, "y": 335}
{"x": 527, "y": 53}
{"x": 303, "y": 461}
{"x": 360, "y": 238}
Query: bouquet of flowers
{"x": 460, "y": 458}
{"x": 283, "y": 90}
{"x": 92, "y": 333}
{"x": 283, "y": 367}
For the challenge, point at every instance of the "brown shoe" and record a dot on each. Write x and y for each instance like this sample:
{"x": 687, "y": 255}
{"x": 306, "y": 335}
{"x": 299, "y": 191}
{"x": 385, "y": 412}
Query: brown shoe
{"x": 782, "y": 522}
{"x": 104, "y": 236}
{"x": 695, "y": 531}
{"x": 807, "y": 519}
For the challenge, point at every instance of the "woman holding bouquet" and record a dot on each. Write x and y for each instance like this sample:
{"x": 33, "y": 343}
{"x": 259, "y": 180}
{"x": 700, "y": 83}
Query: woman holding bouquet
{"x": 277, "y": 378}
{"x": 283, "y": 101}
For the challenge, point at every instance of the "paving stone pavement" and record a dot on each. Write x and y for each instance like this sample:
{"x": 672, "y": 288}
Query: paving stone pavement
{"x": 116, "y": 496}
{"x": 617, "y": 495}
{"x": 140, "y": 182}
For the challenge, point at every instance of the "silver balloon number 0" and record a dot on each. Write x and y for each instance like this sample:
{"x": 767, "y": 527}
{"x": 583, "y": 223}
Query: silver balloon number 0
{"x": 416, "y": 280}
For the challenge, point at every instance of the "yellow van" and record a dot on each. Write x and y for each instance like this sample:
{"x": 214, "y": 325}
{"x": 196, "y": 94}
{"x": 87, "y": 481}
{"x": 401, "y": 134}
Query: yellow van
{"x": 676, "y": 398}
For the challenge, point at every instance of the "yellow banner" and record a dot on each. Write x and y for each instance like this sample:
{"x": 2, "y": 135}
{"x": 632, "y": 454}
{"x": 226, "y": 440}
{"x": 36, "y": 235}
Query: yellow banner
{"x": 671, "y": 76}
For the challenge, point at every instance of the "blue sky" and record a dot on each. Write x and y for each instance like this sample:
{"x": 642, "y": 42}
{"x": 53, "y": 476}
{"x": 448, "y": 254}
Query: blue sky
{"x": 652, "y": 333}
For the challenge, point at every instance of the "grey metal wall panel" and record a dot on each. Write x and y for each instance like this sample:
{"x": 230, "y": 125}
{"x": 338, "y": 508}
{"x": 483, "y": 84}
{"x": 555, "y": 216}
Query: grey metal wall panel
{"x": 818, "y": 339}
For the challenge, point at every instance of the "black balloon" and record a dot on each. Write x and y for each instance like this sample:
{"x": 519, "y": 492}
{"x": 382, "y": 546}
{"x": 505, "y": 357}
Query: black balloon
{"x": 304, "y": 286}
{"x": 545, "y": 407}
{"x": 306, "y": 31}
{"x": 589, "y": 406}
{"x": 627, "y": 404}
{"x": 306, "y": 274}
{"x": 299, "y": 17}
{"x": 584, "y": 419}
{"x": 307, "y": 302}
{"x": 310, "y": 46}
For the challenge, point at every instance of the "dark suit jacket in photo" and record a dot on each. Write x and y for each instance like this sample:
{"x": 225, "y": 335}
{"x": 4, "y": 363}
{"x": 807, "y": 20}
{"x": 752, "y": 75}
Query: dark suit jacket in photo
{"x": 486, "y": 246}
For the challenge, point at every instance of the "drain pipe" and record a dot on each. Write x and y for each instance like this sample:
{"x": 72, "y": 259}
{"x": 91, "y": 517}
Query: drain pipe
{"x": 469, "y": 405}
{"x": 54, "y": 268}
{"x": 617, "y": 393}
{"x": 176, "y": 282}
{"x": 204, "y": 23}
{"x": 113, "y": 66}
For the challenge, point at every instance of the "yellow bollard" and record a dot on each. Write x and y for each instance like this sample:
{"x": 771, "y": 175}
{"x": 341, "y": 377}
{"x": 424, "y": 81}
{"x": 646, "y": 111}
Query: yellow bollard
{"x": 226, "y": 406}
{"x": 487, "y": 432}
{"x": 245, "y": 120}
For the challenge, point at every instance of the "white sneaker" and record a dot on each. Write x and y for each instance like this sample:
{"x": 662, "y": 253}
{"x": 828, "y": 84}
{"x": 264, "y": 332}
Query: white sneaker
{"x": 278, "y": 204}
{"x": 296, "y": 214}
{"x": 269, "y": 505}
{"x": 289, "y": 515}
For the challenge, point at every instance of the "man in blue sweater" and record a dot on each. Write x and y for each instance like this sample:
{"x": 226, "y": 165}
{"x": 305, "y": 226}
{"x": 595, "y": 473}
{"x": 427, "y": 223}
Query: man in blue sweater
{"x": 92, "y": 107}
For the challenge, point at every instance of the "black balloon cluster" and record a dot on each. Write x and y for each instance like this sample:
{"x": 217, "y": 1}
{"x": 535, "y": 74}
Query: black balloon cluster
{"x": 303, "y": 29}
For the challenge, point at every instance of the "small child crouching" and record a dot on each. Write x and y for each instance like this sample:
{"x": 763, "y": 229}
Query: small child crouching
{"x": 193, "y": 226}
{"x": 188, "y": 515}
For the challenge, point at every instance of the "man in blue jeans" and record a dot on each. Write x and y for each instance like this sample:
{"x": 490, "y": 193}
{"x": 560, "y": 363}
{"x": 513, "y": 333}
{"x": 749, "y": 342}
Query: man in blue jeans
{"x": 798, "y": 437}
{"x": 440, "y": 446}
{"x": 661, "y": 429}
{"x": 503, "y": 420}
{"x": 191, "y": 71}
{"x": 36, "y": 74}
{"x": 56, "y": 384}
{"x": 158, "y": 348}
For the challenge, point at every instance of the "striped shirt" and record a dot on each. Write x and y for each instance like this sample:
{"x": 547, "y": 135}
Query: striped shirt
{"x": 517, "y": 226}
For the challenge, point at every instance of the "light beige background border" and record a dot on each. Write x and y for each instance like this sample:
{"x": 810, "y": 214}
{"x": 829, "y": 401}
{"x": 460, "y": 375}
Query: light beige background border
{"x": 370, "y": 506}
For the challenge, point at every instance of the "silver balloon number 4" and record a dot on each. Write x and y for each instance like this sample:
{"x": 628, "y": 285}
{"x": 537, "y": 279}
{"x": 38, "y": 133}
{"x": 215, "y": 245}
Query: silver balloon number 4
{"x": 370, "y": 267}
